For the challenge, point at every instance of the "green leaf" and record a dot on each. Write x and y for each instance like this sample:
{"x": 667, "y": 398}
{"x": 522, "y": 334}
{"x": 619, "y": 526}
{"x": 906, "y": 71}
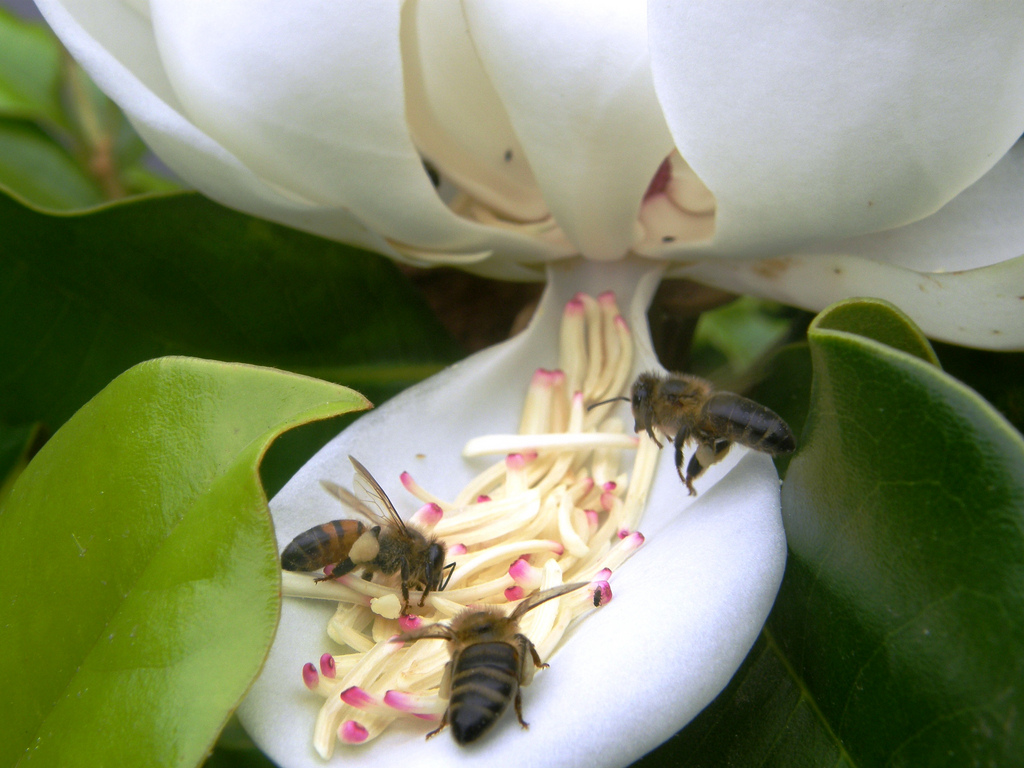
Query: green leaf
{"x": 879, "y": 320}
{"x": 897, "y": 638}
{"x": 737, "y": 335}
{"x": 84, "y": 297}
{"x": 17, "y": 446}
{"x": 40, "y": 171}
{"x": 30, "y": 70}
{"x": 140, "y": 580}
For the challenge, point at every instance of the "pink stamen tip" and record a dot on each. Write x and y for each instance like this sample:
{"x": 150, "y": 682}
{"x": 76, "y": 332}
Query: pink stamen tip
{"x": 636, "y": 539}
{"x": 409, "y": 621}
{"x": 327, "y": 665}
{"x": 602, "y": 593}
{"x": 577, "y": 398}
{"x": 593, "y": 520}
{"x": 328, "y": 569}
{"x": 603, "y": 575}
{"x": 558, "y": 549}
{"x": 661, "y": 179}
{"x": 529, "y": 456}
{"x": 457, "y": 549}
{"x": 607, "y": 296}
{"x": 557, "y": 376}
{"x": 403, "y": 702}
{"x": 407, "y": 481}
{"x": 611, "y": 485}
{"x": 620, "y": 321}
{"x": 352, "y": 732}
{"x": 482, "y": 498}
{"x": 607, "y": 500}
{"x": 541, "y": 377}
{"x": 428, "y": 514}
{"x": 424, "y": 717}
{"x": 356, "y": 697}
{"x": 623, "y": 533}
{"x": 310, "y": 676}
{"x": 514, "y": 593}
{"x": 524, "y": 574}
{"x": 574, "y": 306}
{"x": 515, "y": 461}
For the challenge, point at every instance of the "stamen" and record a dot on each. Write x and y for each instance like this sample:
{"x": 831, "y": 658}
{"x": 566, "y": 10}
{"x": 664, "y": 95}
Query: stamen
{"x": 525, "y": 575}
{"x": 427, "y": 516}
{"x": 514, "y": 445}
{"x": 409, "y": 622}
{"x": 327, "y": 668}
{"x": 416, "y": 490}
{"x": 356, "y": 697}
{"x": 415, "y": 704}
{"x": 352, "y": 732}
{"x": 310, "y": 676}
{"x": 514, "y": 593}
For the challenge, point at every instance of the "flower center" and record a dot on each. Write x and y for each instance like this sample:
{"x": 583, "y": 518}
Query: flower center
{"x": 558, "y": 507}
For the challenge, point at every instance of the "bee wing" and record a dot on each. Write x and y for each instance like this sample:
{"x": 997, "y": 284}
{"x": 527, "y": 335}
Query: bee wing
{"x": 542, "y": 597}
{"x": 365, "y": 480}
{"x": 349, "y": 500}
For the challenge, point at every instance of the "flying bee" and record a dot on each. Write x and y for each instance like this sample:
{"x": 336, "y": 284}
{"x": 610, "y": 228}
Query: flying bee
{"x": 685, "y": 407}
{"x": 491, "y": 661}
{"x": 389, "y": 546}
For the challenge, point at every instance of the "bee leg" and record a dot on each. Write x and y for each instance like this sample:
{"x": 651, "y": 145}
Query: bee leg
{"x": 680, "y": 440}
{"x": 340, "y": 569}
{"x": 405, "y": 587}
{"x": 707, "y": 453}
{"x": 650, "y": 431}
{"x": 519, "y": 708}
{"x": 441, "y": 727}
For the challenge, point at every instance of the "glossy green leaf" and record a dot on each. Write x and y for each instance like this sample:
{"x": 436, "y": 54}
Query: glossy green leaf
{"x": 17, "y": 445}
{"x": 140, "y": 579}
{"x": 84, "y": 297}
{"x": 897, "y": 638}
{"x": 879, "y": 320}
{"x": 40, "y": 171}
{"x": 30, "y": 69}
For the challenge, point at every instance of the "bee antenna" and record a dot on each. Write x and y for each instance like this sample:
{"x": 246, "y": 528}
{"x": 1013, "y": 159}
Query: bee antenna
{"x": 605, "y": 402}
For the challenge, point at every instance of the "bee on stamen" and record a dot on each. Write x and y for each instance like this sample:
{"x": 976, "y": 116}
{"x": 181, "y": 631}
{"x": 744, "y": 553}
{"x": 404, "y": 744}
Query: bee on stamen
{"x": 389, "y": 546}
{"x": 491, "y": 660}
{"x": 685, "y": 407}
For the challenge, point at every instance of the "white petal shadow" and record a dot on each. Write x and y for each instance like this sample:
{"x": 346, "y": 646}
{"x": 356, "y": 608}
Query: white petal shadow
{"x": 686, "y": 609}
{"x": 959, "y": 273}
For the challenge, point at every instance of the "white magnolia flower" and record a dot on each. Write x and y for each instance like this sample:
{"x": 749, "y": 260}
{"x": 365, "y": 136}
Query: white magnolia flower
{"x": 801, "y": 152}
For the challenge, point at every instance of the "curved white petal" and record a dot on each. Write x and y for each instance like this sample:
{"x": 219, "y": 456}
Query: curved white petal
{"x": 457, "y": 118}
{"x": 117, "y": 45}
{"x": 310, "y": 96}
{"x": 575, "y": 80}
{"x": 958, "y": 273}
{"x": 686, "y": 609}
{"x": 810, "y": 120}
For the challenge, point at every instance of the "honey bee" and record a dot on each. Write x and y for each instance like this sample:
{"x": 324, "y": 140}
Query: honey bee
{"x": 491, "y": 661}
{"x": 685, "y": 407}
{"x": 389, "y": 546}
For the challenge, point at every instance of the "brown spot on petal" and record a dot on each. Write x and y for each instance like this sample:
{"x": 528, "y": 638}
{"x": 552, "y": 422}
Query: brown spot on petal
{"x": 772, "y": 269}
{"x": 837, "y": 270}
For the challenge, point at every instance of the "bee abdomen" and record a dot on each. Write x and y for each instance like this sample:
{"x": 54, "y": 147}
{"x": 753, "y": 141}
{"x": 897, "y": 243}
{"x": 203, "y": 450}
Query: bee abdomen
{"x": 484, "y": 682}
{"x": 323, "y": 545}
{"x": 740, "y": 420}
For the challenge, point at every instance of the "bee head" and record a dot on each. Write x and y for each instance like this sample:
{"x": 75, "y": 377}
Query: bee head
{"x": 435, "y": 564}
{"x": 641, "y": 401}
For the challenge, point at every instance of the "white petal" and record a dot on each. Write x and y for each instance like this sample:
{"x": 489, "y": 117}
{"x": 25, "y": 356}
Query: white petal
{"x": 118, "y": 47}
{"x": 959, "y": 273}
{"x": 811, "y": 120}
{"x": 455, "y": 114}
{"x": 686, "y": 609}
{"x": 310, "y": 96}
{"x": 575, "y": 80}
